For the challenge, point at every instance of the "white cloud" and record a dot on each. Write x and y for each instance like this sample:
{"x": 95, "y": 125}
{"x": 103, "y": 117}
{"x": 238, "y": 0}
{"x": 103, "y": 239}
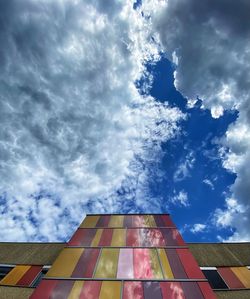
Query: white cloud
{"x": 209, "y": 183}
{"x": 73, "y": 125}
{"x": 183, "y": 169}
{"x": 180, "y": 199}
{"x": 198, "y": 228}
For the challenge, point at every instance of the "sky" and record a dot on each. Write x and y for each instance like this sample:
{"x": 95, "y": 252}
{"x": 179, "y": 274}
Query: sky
{"x": 124, "y": 106}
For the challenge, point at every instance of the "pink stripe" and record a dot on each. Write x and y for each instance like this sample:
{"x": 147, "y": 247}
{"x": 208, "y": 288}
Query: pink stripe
{"x": 142, "y": 267}
{"x": 125, "y": 263}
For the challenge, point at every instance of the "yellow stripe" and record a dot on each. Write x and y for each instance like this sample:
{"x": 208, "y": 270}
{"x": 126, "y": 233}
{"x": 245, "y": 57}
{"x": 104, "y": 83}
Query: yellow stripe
{"x": 155, "y": 265}
{"x": 76, "y": 290}
{"x": 15, "y": 275}
{"x": 168, "y": 274}
{"x": 65, "y": 263}
{"x": 90, "y": 221}
{"x": 97, "y": 237}
{"x": 149, "y": 221}
{"x": 119, "y": 237}
{"x": 243, "y": 274}
{"x": 107, "y": 265}
{"x": 110, "y": 290}
{"x": 116, "y": 221}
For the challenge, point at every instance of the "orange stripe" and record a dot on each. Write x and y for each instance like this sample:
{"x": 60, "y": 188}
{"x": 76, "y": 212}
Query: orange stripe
{"x": 15, "y": 275}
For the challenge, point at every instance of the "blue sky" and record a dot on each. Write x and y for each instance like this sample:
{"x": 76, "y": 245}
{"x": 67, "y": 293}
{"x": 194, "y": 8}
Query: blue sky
{"x": 128, "y": 107}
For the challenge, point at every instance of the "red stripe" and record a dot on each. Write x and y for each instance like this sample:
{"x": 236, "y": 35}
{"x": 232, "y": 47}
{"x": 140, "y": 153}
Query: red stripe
{"x": 132, "y": 290}
{"x": 167, "y": 220}
{"x": 171, "y": 290}
{"x": 77, "y": 238}
{"x": 90, "y": 290}
{"x": 190, "y": 265}
{"x": 230, "y": 278}
{"x": 29, "y": 276}
{"x": 133, "y": 237}
{"x": 206, "y": 290}
{"x": 44, "y": 290}
{"x": 142, "y": 264}
{"x": 178, "y": 238}
{"x": 106, "y": 237}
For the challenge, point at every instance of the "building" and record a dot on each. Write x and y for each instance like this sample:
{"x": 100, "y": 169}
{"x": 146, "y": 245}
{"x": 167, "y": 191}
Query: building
{"x": 125, "y": 256}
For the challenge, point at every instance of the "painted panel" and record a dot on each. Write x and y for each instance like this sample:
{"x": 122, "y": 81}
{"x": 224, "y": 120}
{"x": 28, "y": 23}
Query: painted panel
{"x": 29, "y": 276}
{"x": 190, "y": 265}
{"x": 155, "y": 264}
{"x": 167, "y": 221}
{"x": 90, "y": 221}
{"x": 106, "y": 237}
{"x": 44, "y": 290}
{"x": 142, "y": 264}
{"x": 169, "y": 236}
{"x": 138, "y": 221}
{"x": 125, "y": 263}
{"x": 149, "y": 221}
{"x": 178, "y": 238}
{"x": 243, "y": 274}
{"x": 76, "y": 290}
{"x": 167, "y": 272}
{"x": 133, "y": 237}
{"x": 230, "y": 278}
{"x": 132, "y": 290}
{"x": 206, "y": 290}
{"x": 107, "y": 264}
{"x": 77, "y": 238}
{"x": 119, "y": 237}
{"x": 65, "y": 264}
{"x": 62, "y": 289}
{"x": 152, "y": 290}
{"x": 110, "y": 290}
{"x": 128, "y": 221}
{"x": 172, "y": 290}
{"x": 15, "y": 275}
{"x": 151, "y": 237}
{"x": 191, "y": 290}
{"x": 91, "y": 290}
{"x": 175, "y": 264}
{"x": 86, "y": 263}
{"x": 159, "y": 221}
{"x": 97, "y": 237}
{"x": 116, "y": 221}
{"x": 103, "y": 221}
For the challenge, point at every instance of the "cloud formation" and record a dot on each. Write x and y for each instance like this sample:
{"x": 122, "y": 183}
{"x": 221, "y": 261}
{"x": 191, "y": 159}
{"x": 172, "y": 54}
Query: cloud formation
{"x": 209, "y": 41}
{"x": 74, "y": 128}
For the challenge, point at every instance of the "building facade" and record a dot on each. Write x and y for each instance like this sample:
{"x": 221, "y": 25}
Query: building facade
{"x": 125, "y": 257}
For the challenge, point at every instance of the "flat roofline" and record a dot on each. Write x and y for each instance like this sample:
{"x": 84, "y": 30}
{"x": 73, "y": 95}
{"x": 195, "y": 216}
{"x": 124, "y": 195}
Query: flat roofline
{"x": 219, "y": 243}
{"x": 127, "y": 214}
{"x": 3, "y": 242}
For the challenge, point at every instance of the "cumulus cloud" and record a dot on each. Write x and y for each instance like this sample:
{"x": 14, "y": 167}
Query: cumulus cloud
{"x": 210, "y": 40}
{"x": 180, "y": 199}
{"x": 74, "y": 128}
{"x": 184, "y": 168}
{"x": 198, "y": 228}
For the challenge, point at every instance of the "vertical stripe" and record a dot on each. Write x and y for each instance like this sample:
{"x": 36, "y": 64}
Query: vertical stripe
{"x": 175, "y": 264}
{"x": 168, "y": 274}
{"x": 159, "y": 221}
{"x": 119, "y": 237}
{"x": 90, "y": 221}
{"x": 29, "y": 276}
{"x": 142, "y": 264}
{"x": 97, "y": 237}
{"x": 243, "y": 274}
{"x": 149, "y": 221}
{"x": 133, "y": 237}
{"x": 103, "y": 221}
{"x": 76, "y": 290}
{"x": 77, "y": 238}
{"x": 151, "y": 237}
{"x": 44, "y": 289}
{"x": 206, "y": 290}
{"x": 15, "y": 275}
{"x": 152, "y": 290}
{"x": 168, "y": 235}
{"x": 125, "y": 263}
{"x": 88, "y": 237}
{"x": 65, "y": 263}
{"x": 107, "y": 264}
{"x": 190, "y": 265}
{"x": 191, "y": 290}
{"x": 110, "y": 290}
{"x": 172, "y": 290}
{"x": 62, "y": 289}
{"x": 138, "y": 221}
{"x": 132, "y": 290}
{"x": 106, "y": 237}
{"x": 155, "y": 265}
{"x": 178, "y": 238}
{"x": 91, "y": 290}
{"x": 230, "y": 278}
{"x": 86, "y": 263}
{"x": 116, "y": 221}
{"x": 167, "y": 221}
{"x": 128, "y": 221}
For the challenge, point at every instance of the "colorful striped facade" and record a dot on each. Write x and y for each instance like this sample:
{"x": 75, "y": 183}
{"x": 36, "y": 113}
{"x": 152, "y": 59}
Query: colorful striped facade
{"x": 125, "y": 257}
